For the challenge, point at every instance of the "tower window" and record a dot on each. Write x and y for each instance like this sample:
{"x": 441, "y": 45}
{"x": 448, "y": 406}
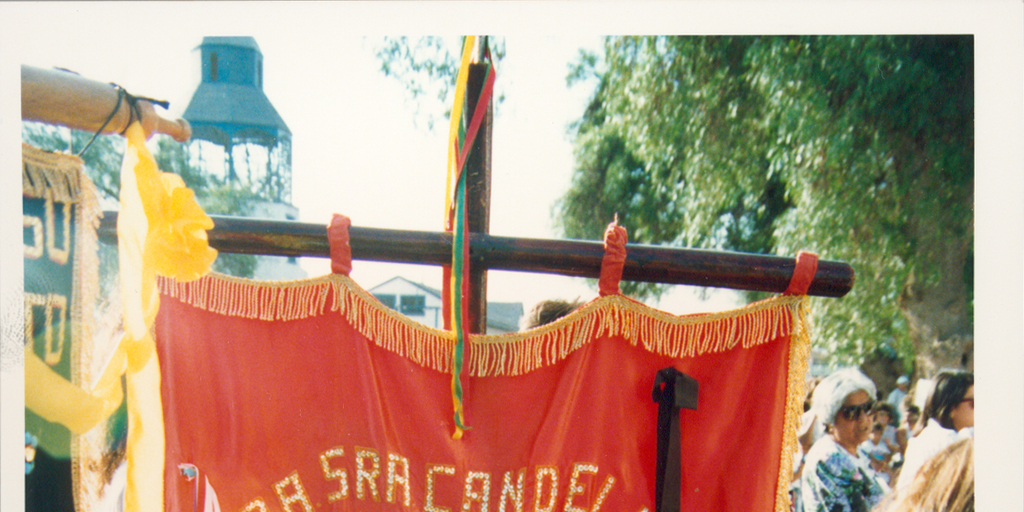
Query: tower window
{"x": 259, "y": 74}
{"x": 213, "y": 67}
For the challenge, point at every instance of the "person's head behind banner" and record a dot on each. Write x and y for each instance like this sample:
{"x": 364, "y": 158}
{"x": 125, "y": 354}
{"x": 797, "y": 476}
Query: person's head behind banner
{"x": 548, "y": 311}
{"x": 951, "y": 402}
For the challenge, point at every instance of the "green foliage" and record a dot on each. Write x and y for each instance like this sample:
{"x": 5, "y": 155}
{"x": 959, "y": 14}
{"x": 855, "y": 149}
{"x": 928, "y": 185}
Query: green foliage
{"x": 428, "y": 68}
{"x": 172, "y": 157}
{"x": 857, "y": 148}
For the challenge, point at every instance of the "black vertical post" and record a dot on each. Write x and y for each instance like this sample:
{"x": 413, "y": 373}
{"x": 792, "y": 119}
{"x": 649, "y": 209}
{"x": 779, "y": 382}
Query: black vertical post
{"x": 478, "y": 194}
{"x": 673, "y": 390}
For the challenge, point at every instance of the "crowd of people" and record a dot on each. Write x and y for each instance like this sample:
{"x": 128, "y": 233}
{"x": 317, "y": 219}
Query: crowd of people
{"x": 860, "y": 454}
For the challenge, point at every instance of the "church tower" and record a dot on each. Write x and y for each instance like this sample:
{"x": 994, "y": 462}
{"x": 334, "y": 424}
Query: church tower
{"x": 238, "y": 138}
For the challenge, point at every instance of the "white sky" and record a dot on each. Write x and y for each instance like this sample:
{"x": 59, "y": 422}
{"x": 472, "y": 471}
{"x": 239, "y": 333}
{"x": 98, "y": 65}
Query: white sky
{"x": 356, "y": 151}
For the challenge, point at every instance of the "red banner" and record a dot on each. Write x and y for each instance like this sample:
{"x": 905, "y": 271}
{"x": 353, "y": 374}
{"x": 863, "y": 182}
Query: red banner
{"x": 311, "y": 395}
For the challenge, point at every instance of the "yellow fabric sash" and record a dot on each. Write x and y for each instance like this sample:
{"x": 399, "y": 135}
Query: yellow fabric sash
{"x": 161, "y": 230}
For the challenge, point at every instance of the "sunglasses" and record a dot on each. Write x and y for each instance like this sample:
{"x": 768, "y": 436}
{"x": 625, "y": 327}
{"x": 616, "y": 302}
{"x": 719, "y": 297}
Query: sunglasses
{"x": 853, "y": 412}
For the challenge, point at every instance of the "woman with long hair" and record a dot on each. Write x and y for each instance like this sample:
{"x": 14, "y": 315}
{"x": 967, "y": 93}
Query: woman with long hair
{"x": 948, "y": 415}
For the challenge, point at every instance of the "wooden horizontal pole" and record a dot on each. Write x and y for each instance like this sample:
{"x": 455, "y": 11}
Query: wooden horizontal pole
{"x": 64, "y": 98}
{"x": 578, "y": 258}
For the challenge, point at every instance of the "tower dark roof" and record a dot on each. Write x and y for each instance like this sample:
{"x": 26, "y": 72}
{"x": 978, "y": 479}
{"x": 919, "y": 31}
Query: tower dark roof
{"x": 229, "y": 105}
{"x": 241, "y": 42}
{"x": 236, "y": 110}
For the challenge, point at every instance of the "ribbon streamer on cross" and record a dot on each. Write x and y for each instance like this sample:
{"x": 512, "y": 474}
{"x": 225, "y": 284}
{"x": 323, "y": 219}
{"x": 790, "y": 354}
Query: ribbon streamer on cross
{"x": 461, "y": 135}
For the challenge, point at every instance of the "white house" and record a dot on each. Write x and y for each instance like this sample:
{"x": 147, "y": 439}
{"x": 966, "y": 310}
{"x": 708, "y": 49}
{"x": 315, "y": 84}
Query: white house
{"x": 423, "y": 304}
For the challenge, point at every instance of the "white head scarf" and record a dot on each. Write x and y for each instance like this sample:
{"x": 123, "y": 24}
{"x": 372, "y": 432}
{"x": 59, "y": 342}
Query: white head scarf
{"x": 832, "y": 391}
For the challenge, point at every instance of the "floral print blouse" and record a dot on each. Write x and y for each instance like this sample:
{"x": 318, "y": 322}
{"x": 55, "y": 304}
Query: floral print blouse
{"x": 835, "y": 481}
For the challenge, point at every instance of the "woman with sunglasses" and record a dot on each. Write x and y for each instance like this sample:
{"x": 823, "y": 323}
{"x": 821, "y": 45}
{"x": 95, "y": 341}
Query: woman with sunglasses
{"x": 837, "y": 476}
{"x": 948, "y": 415}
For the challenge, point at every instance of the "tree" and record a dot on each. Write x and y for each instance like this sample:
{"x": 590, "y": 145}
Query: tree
{"x": 428, "y": 67}
{"x": 102, "y": 163}
{"x": 857, "y": 148}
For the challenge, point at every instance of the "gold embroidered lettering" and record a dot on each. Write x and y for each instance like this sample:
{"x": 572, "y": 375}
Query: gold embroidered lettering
{"x": 428, "y": 505}
{"x": 515, "y": 495}
{"x": 254, "y": 505}
{"x": 59, "y": 256}
{"x": 551, "y": 473}
{"x": 49, "y": 302}
{"x": 482, "y": 497}
{"x": 335, "y": 474}
{"x": 574, "y": 488}
{"x": 298, "y": 493}
{"x": 369, "y": 476}
{"x": 396, "y": 479}
{"x": 608, "y": 483}
{"x": 34, "y": 251}
{"x": 32, "y": 300}
{"x": 53, "y": 301}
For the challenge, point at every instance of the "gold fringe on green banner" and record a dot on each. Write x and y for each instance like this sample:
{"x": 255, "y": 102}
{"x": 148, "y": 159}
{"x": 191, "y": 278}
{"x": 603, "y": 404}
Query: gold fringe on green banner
{"x": 59, "y": 177}
{"x": 55, "y": 173}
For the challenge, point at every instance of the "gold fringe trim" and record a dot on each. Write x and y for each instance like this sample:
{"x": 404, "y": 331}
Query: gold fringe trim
{"x": 640, "y": 325}
{"x": 295, "y": 300}
{"x": 87, "y": 449}
{"x": 59, "y": 174}
{"x": 799, "y": 359}
{"x": 493, "y": 355}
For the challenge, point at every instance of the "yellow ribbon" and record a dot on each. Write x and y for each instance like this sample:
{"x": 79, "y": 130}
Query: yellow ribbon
{"x": 453, "y": 127}
{"x": 55, "y": 399}
{"x": 161, "y": 230}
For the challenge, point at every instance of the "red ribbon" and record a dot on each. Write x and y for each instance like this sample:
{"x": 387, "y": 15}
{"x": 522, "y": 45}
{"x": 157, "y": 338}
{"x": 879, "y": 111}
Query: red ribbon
{"x": 341, "y": 251}
{"x": 803, "y": 274}
{"x": 614, "y": 259}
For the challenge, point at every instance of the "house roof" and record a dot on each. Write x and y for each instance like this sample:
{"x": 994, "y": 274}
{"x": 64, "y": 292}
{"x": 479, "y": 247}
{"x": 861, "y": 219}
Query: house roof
{"x": 500, "y": 315}
{"x": 432, "y": 291}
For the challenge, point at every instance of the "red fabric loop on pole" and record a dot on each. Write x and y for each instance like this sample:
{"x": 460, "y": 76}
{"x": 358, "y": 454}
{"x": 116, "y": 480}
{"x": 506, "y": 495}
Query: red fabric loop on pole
{"x": 614, "y": 259}
{"x": 337, "y": 238}
{"x": 803, "y": 274}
